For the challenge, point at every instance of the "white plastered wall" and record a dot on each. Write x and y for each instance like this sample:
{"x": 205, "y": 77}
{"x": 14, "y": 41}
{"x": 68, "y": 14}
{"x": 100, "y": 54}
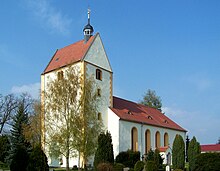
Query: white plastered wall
{"x": 125, "y": 128}
{"x": 46, "y": 80}
{"x": 113, "y": 128}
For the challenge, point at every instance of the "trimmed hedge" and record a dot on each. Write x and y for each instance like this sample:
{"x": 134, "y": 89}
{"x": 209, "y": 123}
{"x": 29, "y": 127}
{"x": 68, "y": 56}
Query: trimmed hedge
{"x": 151, "y": 166}
{"x": 104, "y": 167}
{"x": 207, "y": 162}
{"x": 118, "y": 167}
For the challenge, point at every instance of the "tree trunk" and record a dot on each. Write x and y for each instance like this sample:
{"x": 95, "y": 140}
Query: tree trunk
{"x": 67, "y": 162}
{"x": 67, "y": 154}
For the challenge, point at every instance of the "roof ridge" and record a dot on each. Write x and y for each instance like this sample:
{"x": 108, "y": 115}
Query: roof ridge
{"x": 137, "y": 103}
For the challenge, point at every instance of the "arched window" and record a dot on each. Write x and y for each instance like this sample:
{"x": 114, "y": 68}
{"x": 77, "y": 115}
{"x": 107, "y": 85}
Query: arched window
{"x": 98, "y": 74}
{"x": 147, "y": 141}
{"x": 134, "y": 139}
{"x": 166, "y": 139}
{"x": 157, "y": 139}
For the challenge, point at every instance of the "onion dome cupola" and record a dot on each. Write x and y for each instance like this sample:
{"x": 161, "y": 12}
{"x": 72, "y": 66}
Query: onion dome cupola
{"x": 88, "y": 29}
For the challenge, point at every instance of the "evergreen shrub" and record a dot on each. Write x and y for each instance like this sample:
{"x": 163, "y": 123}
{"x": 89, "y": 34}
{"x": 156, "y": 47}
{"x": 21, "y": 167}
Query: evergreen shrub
{"x": 104, "y": 152}
{"x": 104, "y": 167}
{"x": 193, "y": 151}
{"x": 139, "y": 166}
{"x": 151, "y": 166}
{"x": 37, "y": 160}
{"x": 118, "y": 167}
{"x": 178, "y": 153}
{"x": 128, "y": 158}
{"x": 207, "y": 162}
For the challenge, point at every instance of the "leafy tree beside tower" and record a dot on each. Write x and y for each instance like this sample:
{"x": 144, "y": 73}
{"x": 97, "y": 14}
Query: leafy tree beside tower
{"x": 72, "y": 103}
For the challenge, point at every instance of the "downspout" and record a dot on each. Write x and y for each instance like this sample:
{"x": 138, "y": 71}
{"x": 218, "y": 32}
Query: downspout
{"x": 142, "y": 154}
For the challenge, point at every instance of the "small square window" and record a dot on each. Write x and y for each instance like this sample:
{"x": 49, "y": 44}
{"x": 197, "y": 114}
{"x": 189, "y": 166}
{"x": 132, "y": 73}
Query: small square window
{"x": 99, "y": 116}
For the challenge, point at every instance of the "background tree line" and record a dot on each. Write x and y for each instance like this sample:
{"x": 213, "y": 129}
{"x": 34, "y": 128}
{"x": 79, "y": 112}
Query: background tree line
{"x": 20, "y": 142}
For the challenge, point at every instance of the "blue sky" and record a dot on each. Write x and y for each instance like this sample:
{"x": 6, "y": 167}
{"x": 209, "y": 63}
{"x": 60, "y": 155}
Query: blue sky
{"x": 172, "y": 47}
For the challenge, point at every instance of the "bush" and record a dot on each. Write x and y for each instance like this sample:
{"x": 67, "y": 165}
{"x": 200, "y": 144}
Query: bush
{"x": 156, "y": 157}
{"x": 128, "y": 158}
{"x": 118, "y": 167}
{"x": 193, "y": 151}
{"x": 37, "y": 160}
{"x": 151, "y": 166}
{"x": 207, "y": 162}
{"x": 104, "y": 167}
{"x": 131, "y": 169}
{"x": 178, "y": 170}
{"x": 3, "y": 165}
{"x": 139, "y": 166}
{"x": 178, "y": 153}
{"x": 75, "y": 167}
{"x": 19, "y": 159}
{"x": 104, "y": 152}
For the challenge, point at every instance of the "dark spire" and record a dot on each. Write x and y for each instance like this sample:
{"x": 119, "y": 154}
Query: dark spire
{"x": 88, "y": 29}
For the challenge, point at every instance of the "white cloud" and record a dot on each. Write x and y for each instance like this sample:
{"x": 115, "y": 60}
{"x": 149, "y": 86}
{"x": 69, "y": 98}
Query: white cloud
{"x": 32, "y": 89}
{"x": 202, "y": 125}
{"x": 49, "y": 16}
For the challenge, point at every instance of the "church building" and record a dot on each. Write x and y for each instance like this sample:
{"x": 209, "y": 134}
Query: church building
{"x": 132, "y": 125}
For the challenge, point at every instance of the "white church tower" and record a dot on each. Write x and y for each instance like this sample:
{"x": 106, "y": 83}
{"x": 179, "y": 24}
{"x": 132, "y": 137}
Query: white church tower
{"x": 90, "y": 58}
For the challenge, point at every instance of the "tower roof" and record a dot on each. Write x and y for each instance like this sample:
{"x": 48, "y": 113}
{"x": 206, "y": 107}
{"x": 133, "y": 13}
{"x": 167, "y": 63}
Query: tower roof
{"x": 69, "y": 54}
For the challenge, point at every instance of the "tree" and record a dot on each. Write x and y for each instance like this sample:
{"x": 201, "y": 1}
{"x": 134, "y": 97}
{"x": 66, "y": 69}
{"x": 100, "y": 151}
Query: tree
{"x": 178, "y": 153}
{"x": 88, "y": 125}
{"x": 19, "y": 160}
{"x": 71, "y": 109}
{"x": 193, "y": 151}
{"x": 4, "y": 147}
{"x": 187, "y": 146}
{"x": 32, "y": 131}
{"x": 104, "y": 152}
{"x": 150, "y": 99}
{"x": 20, "y": 147}
{"x": 155, "y": 157}
{"x": 8, "y": 104}
{"x": 207, "y": 162}
{"x": 37, "y": 160}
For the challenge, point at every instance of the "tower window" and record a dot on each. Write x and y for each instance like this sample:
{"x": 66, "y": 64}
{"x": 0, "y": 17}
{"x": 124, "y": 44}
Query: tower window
{"x": 98, "y": 74}
{"x": 99, "y": 116}
{"x": 99, "y": 92}
{"x": 60, "y": 75}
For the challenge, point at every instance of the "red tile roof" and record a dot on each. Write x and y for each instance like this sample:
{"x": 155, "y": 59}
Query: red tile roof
{"x": 130, "y": 111}
{"x": 69, "y": 54}
{"x": 210, "y": 148}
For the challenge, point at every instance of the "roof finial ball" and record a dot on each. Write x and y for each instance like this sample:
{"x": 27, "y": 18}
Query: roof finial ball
{"x": 88, "y": 29}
